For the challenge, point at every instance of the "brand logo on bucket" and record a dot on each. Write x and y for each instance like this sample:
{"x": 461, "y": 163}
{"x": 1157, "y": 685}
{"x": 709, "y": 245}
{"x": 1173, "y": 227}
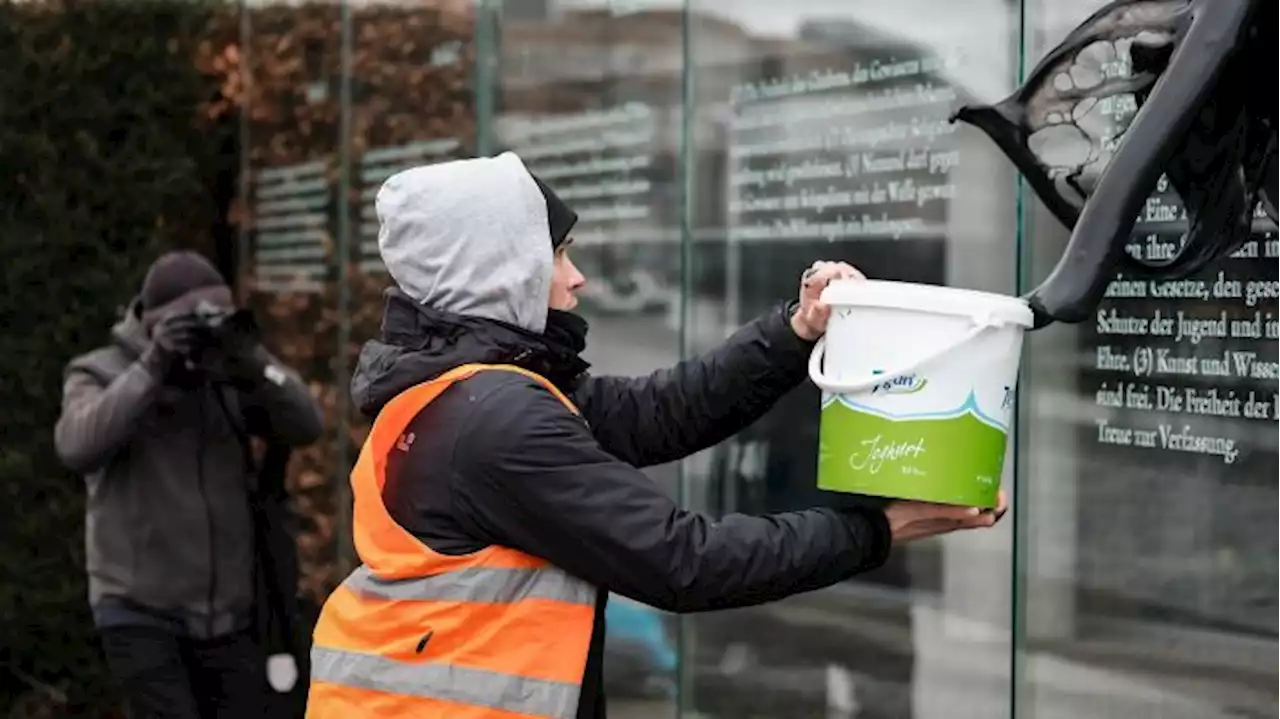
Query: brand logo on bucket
{"x": 906, "y": 384}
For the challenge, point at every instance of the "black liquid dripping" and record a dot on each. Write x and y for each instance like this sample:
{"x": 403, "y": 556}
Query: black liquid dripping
{"x": 1203, "y": 76}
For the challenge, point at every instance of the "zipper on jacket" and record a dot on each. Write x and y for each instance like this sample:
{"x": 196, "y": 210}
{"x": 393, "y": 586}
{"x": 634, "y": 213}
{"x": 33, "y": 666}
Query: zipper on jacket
{"x": 208, "y": 512}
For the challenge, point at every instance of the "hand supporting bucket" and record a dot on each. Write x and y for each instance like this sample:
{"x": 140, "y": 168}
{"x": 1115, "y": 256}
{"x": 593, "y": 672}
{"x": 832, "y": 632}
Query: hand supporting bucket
{"x": 826, "y": 384}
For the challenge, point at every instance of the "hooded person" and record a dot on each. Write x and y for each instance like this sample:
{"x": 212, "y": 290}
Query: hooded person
{"x": 498, "y": 499}
{"x": 158, "y": 423}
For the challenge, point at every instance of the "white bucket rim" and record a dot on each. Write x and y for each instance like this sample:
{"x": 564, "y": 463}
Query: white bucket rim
{"x": 983, "y": 307}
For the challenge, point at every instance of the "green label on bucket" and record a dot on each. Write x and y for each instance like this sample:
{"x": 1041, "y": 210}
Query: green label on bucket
{"x": 953, "y": 460}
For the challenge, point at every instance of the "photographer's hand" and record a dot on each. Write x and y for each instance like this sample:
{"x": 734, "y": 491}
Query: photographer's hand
{"x": 246, "y": 362}
{"x": 237, "y": 354}
{"x": 277, "y": 404}
{"x": 173, "y": 340}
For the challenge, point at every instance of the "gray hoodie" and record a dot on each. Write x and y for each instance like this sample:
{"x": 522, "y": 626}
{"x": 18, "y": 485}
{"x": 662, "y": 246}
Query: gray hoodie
{"x": 469, "y": 237}
{"x": 169, "y": 534}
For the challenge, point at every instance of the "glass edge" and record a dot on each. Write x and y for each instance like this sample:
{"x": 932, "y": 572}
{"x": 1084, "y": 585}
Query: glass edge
{"x": 687, "y": 180}
{"x": 1018, "y": 706}
{"x": 342, "y": 250}
{"x": 243, "y": 256}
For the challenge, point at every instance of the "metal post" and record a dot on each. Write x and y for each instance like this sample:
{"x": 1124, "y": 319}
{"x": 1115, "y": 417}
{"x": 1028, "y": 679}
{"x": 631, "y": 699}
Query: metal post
{"x": 342, "y": 493}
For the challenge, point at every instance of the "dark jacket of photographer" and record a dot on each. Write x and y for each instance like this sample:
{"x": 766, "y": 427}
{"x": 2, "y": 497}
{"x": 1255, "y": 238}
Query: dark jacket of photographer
{"x": 169, "y": 535}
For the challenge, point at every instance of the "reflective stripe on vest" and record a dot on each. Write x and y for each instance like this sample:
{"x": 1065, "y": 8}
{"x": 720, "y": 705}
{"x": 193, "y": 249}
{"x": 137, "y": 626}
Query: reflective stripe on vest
{"x": 477, "y": 687}
{"x": 477, "y": 584}
{"x": 496, "y": 634}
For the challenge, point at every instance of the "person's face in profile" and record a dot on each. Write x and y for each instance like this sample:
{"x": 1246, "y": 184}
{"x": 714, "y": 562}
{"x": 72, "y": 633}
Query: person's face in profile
{"x": 566, "y": 280}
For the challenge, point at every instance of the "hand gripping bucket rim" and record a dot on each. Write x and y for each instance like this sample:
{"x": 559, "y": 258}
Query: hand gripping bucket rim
{"x": 938, "y": 438}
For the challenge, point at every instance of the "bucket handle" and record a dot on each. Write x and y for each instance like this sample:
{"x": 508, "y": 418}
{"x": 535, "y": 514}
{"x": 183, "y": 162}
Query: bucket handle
{"x": 833, "y": 387}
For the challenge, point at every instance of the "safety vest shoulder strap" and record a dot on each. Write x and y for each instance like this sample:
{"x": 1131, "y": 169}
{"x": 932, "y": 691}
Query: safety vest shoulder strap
{"x": 400, "y": 411}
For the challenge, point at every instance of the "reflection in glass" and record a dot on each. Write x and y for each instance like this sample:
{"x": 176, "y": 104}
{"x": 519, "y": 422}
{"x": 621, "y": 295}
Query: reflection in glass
{"x": 589, "y": 96}
{"x": 822, "y": 132}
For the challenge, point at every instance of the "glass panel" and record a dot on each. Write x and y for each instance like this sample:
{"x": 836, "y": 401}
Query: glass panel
{"x": 340, "y": 98}
{"x": 290, "y": 193}
{"x": 411, "y": 103}
{"x": 820, "y": 132}
{"x": 1150, "y": 467}
{"x": 588, "y": 94}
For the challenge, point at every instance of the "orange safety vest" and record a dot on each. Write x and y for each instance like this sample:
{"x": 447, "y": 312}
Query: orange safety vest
{"x": 496, "y": 634}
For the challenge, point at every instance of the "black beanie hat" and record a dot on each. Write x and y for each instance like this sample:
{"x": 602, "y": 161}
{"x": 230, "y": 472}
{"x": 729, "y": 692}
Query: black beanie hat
{"x": 177, "y": 283}
{"x": 175, "y": 275}
{"x": 560, "y": 217}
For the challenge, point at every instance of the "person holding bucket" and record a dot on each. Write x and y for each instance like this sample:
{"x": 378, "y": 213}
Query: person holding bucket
{"x": 498, "y": 499}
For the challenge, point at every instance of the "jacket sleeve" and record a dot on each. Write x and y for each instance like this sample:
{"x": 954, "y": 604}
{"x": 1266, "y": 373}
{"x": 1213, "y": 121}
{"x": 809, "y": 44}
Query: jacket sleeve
{"x": 675, "y": 412}
{"x": 529, "y": 475}
{"x": 96, "y": 420}
{"x": 281, "y": 407}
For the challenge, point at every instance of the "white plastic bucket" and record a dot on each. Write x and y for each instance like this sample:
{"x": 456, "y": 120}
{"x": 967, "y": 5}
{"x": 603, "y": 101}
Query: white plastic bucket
{"x": 917, "y": 388}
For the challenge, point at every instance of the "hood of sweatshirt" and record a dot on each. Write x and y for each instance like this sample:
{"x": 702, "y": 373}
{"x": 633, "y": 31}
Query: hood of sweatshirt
{"x": 469, "y": 238}
{"x": 470, "y": 247}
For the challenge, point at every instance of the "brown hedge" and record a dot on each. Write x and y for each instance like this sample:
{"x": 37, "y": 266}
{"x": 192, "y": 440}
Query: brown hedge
{"x": 104, "y": 161}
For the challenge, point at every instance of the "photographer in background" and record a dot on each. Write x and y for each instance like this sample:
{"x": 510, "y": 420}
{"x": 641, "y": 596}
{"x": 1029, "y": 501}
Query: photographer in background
{"x": 158, "y": 422}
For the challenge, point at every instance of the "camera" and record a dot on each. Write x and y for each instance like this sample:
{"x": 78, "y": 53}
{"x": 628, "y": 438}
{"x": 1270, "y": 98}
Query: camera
{"x": 223, "y": 333}
{"x": 211, "y": 316}
{"x": 221, "y": 322}
{"x": 222, "y": 330}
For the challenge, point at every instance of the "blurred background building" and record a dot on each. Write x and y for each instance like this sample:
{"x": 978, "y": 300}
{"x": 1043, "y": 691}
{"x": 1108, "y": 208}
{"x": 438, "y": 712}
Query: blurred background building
{"x": 713, "y": 151}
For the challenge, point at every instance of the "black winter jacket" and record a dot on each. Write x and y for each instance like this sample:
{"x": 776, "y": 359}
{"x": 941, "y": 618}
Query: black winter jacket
{"x": 497, "y": 459}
